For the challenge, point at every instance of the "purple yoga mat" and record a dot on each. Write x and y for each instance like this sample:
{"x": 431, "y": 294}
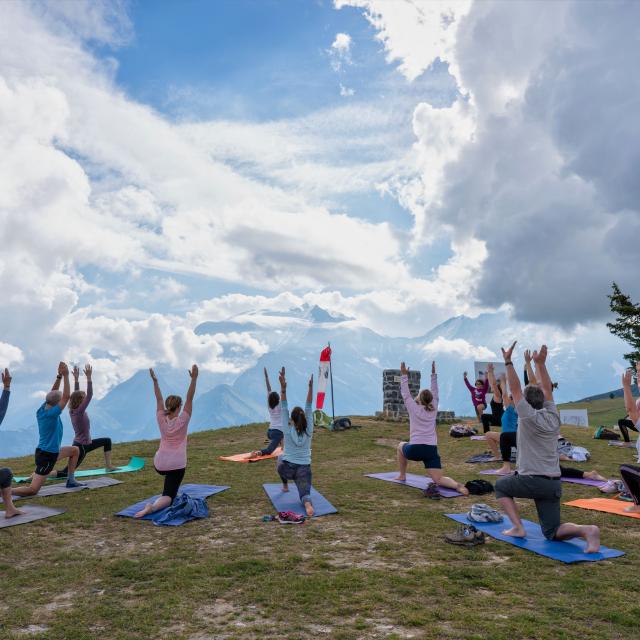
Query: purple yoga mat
{"x": 413, "y": 480}
{"x": 587, "y": 481}
{"x": 477, "y": 438}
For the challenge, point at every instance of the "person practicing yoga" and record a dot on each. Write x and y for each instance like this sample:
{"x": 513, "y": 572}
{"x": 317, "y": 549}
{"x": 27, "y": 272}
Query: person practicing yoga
{"x": 170, "y": 460}
{"x": 478, "y": 394}
{"x": 493, "y": 419}
{"x": 274, "y": 432}
{"x": 295, "y": 462}
{"x": 423, "y": 437}
{"x": 507, "y": 436}
{"x": 627, "y": 423}
{"x": 49, "y": 450}
{"x": 630, "y": 473}
{"x": 6, "y": 476}
{"x": 538, "y": 468}
{"x": 78, "y": 403}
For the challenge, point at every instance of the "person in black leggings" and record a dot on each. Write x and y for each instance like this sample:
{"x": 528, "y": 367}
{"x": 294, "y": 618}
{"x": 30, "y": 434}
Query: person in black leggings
{"x": 624, "y": 424}
{"x": 631, "y": 473}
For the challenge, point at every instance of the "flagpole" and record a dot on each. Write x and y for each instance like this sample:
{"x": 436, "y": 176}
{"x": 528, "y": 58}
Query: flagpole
{"x": 333, "y": 411}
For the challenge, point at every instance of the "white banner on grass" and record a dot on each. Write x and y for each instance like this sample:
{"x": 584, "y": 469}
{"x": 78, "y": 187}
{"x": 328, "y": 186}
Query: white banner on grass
{"x": 574, "y": 417}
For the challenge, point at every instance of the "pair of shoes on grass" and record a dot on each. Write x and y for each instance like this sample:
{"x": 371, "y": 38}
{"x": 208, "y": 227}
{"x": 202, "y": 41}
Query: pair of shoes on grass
{"x": 466, "y": 535}
{"x": 289, "y": 517}
{"x": 432, "y": 492}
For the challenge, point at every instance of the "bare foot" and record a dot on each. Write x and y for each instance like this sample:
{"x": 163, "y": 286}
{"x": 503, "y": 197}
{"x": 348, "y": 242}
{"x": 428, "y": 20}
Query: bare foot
{"x": 285, "y": 487}
{"x": 515, "y": 532}
{"x": 308, "y": 507}
{"x": 12, "y": 513}
{"x": 594, "y": 475}
{"x": 634, "y": 508}
{"x": 462, "y": 489}
{"x": 401, "y": 478}
{"x": 592, "y": 536}
{"x": 144, "y": 512}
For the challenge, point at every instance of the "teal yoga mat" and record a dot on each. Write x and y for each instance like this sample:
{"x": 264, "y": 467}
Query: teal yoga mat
{"x": 135, "y": 464}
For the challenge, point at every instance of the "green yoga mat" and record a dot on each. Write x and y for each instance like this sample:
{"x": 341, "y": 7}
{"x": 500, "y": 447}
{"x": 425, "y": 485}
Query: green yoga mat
{"x": 135, "y": 464}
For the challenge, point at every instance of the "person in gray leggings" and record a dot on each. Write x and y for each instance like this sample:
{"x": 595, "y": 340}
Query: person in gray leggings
{"x": 5, "y": 474}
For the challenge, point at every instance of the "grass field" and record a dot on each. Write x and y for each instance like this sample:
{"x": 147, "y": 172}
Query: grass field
{"x": 377, "y": 569}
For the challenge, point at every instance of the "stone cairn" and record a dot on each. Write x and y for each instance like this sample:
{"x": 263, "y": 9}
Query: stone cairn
{"x": 393, "y": 404}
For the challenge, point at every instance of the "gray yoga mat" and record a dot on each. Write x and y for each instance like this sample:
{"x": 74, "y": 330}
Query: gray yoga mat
{"x": 59, "y": 489}
{"x": 31, "y": 513}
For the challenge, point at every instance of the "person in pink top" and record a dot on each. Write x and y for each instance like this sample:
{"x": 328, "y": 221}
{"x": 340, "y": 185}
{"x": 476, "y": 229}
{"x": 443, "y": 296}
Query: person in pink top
{"x": 478, "y": 394}
{"x": 170, "y": 460}
{"x": 423, "y": 438}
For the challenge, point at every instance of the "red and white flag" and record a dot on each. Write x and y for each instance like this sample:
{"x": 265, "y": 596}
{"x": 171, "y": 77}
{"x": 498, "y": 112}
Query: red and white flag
{"x": 323, "y": 376}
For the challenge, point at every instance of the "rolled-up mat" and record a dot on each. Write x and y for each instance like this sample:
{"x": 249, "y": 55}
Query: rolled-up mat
{"x": 415, "y": 481}
{"x": 246, "y": 457}
{"x": 30, "y": 513}
{"x": 193, "y": 490}
{"x": 586, "y": 481}
{"x": 59, "y": 489}
{"x": 567, "y": 551}
{"x": 135, "y": 464}
{"x": 606, "y": 505}
{"x": 290, "y": 500}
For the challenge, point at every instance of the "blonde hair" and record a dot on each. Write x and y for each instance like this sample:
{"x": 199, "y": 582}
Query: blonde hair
{"x": 425, "y": 398}
{"x": 172, "y": 404}
{"x": 75, "y": 399}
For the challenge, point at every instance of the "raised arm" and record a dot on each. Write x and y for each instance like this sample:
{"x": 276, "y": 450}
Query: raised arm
{"x": 63, "y": 370}
{"x": 191, "y": 391}
{"x": 308, "y": 407}
{"x": 310, "y": 391}
{"x": 629, "y": 402}
{"x": 531, "y": 376}
{"x": 6, "y": 391}
{"x": 506, "y": 401}
{"x": 434, "y": 384}
{"x": 156, "y": 390}
{"x": 469, "y": 385}
{"x": 88, "y": 372}
{"x": 542, "y": 375}
{"x": 512, "y": 375}
{"x": 409, "y": 401}
{"x": 76, "y": 378}
{"x": 283, "y": 385}
{"x": 495, "y": 389}
{"x": 56, "y": 383}
{"x": 266, "y": 379}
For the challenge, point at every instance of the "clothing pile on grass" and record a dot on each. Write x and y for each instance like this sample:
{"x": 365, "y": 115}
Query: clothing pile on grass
{"x": 573, "y": 452}
{"x": 461, "y": 430}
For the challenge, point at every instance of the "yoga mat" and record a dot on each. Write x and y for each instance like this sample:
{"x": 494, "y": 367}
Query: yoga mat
{"x": 290, "y": 500}
{"x": 413, "y": 480}
{"x": 630, "y": 445}
{"x": 59, "y": 489}
{"x": 244, "y": 457}
{"x": 193, "y": 490}
{"x": 30, "y": 514}
{"x": 586, "y": 481}
{"x": 481, "y": 457}
{"x": 607, "y": 505}
{"x": 567, "y": 551}
{"x": 478, "y": 438}
{"x": 135, "y": 464}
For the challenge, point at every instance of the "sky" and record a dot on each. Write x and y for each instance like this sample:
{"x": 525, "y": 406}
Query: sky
{"x": 166, "y": 163}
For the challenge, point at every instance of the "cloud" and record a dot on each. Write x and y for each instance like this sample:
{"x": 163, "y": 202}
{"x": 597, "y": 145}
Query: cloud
{"x": 340, "y": 51}
{"x": 346, "y": 92}
{"x": 458, "y": 347}
{"x": 9, "y": 355}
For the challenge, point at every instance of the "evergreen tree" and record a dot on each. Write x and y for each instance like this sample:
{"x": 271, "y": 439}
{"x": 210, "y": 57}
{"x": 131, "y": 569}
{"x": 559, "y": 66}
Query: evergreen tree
{"x": 627, "y": 323}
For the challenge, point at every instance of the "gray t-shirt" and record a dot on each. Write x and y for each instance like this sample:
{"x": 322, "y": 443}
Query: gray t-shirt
{"x": 537, "y": 440}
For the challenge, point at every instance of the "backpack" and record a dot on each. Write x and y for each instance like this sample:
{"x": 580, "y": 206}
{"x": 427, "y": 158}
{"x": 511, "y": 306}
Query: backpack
{"x": 461, "y": 431}
{"x": 340, "y": 424}
{"x": 602, "y": 433}
{"x": 479, "y": 487}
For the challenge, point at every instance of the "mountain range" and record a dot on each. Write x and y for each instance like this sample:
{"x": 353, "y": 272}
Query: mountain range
{"x": 583, "y": 361}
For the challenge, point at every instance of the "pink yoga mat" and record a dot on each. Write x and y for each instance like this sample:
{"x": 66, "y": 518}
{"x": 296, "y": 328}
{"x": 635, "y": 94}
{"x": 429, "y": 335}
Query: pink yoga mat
{"x": 586, "y": 481}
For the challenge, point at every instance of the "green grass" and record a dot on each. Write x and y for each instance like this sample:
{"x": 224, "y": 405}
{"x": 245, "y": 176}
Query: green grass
{"x": 605, "y": 412}
{"x": 377, "y": 569}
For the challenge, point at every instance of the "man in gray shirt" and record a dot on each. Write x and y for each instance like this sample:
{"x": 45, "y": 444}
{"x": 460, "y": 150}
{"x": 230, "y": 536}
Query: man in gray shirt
{"x": 537, "y": 465}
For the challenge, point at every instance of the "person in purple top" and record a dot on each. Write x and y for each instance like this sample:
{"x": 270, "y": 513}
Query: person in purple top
{"x": 423, "y": 438}
{"x": 78, "y": 404}
{"x": 478, "y": 394}
{"x": 5, "y": 474}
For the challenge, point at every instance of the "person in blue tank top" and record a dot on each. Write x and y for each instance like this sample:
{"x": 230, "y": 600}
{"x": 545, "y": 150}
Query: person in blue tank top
{"x": 49, "y": 450}
{"x": 295, "y": 462}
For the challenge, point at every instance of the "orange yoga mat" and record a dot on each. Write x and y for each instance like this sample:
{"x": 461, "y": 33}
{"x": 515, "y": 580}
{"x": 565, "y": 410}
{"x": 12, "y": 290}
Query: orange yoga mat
{"x": 607, "y": 505}
{"x": 246, "y": 457}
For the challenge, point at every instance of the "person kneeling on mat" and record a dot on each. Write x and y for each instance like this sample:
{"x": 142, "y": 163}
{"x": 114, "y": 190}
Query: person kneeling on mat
{"x": 170, "y": 460}
{"x": 274, "y": 432}
{"x": 50, "y": 430}
{"x": 78, "y": 404}
{"x": 295, "y": 462}
{"x": 537, "y": 473}
{"x": 423, "y": 438}
{"x": 5, "y": 474}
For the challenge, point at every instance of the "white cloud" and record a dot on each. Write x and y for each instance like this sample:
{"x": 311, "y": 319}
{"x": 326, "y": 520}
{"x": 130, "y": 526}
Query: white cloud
{"x": 10, "y": 355}
{"x": 346, "y": 92}
{"x": 458, "y": 347}
{"x": 340, "y": 51}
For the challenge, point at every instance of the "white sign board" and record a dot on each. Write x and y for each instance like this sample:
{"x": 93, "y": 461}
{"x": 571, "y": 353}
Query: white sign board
{"x": 574, "y": 417}
{"x": 480, "y": 369}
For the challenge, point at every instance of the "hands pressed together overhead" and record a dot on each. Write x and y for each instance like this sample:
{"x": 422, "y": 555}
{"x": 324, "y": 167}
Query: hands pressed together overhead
{"x": 6, "y": 379}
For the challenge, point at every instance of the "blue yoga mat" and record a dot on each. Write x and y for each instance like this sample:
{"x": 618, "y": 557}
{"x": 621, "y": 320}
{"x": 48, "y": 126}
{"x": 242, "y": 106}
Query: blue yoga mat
{"x": 193, "y": 490}
{"x": 290, "y": 500}
{"x": 567, "y": 551}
